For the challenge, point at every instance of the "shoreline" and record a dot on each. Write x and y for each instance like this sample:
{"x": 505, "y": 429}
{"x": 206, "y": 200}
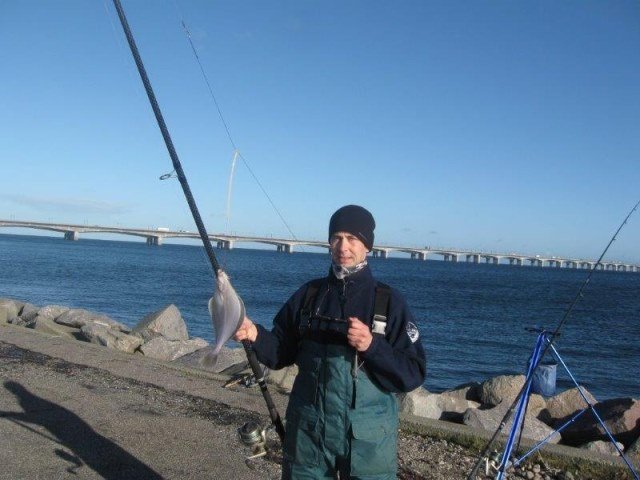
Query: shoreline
{"x": 153, "y": 396}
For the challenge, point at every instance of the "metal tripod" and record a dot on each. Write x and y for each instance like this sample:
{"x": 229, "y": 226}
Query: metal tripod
{"x": 508, "y": 459}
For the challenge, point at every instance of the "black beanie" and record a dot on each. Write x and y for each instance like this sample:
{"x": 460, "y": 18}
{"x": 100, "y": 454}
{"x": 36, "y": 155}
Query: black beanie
{"x": 355, "y": 220}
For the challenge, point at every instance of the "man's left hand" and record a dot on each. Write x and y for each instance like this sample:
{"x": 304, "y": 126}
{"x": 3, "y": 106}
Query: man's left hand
{"x": 359, "y": 336}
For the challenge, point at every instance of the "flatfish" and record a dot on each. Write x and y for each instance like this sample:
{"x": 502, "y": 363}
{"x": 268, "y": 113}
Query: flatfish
{"x": 227, "y": 312}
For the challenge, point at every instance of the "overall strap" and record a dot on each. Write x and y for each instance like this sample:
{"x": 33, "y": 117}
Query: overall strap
{"x": 381, "y": 308}
{"x": 306, "y": 311}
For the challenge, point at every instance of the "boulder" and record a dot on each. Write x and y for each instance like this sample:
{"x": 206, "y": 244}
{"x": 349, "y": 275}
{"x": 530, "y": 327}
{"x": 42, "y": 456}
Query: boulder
{"x": 50, "y": 327}
{"x": 453, "y": 405}
{"x": 101, "y": 335}
{"x": 32, "y": 323}
{"x": 11, "y": 307}
{"x": 52, "y": 311}
{"x": 14, "y": 320}
{"x": 78, "y": 318}
{"x": 284, "y": 377}
{"x": 420, "y": 403}
{"x": 620, "y": 415}
{"x": 162, "y": 348}
{"x": 489, "y": 419}
{"x": 202, "y": 360}
{"x": 503, "y": 389}
{"x": 634, "y": 450}
{"x": 500, "y": 389}
{"x": 166, "y": 322}
{"x": 605, "y": 447}
{"x": 466, "y": 391}
{"x": 564, "y": 405}
{"x": 29, "y": 312}
{"x": 111, "y": 323}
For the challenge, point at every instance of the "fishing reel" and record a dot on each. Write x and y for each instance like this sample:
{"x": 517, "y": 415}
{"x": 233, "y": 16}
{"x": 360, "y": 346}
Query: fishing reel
{"x": 493, "y": 462}
{"x": 255, "y": 437}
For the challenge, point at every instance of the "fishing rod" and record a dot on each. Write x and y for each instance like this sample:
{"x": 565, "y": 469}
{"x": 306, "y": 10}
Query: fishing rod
{"x": 251, "y": 355}
{"x": 548, "y": 345}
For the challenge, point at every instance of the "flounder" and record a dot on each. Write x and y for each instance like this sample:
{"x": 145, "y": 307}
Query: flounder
{"x": 227, "y": 312}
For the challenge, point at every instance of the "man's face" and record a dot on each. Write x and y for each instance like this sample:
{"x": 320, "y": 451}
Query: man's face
{"x": 347, "y": 250}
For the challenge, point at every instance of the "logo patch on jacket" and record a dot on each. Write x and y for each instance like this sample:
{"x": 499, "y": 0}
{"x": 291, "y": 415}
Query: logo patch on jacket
{"x": 413, "y": 332}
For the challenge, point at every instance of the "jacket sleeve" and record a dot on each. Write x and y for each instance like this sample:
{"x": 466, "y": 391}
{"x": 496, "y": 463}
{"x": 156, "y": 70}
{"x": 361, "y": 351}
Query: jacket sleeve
{"x": 397, "y": 360}
{"x": 277, "y": 348}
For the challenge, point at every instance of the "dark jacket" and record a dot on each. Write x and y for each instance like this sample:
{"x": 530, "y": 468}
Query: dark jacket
{"x": 394, "y": 361}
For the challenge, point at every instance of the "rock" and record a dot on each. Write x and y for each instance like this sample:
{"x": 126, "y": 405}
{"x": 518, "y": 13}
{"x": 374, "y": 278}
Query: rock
{"x": 29, "y": 312}
{"x": 489, "y": 419}
{"x": 166, "y": 322}
{"x": 102, "y": 335}
{"x": 503, "y": 389}
{"x": 78, "y": 318}
{"x": 563, "y": 406}
{"x": 52, "y": 311}
{"x": 11, "y": 307}
{"x": 162, "y": 348}
{"x": 420, "y": 403}
{"x": 50, "y": 327}
{"x": 284, "y": 377}
{"x": 466, "y": 391}
{"x": 14, "y": 320}
{"x": 605, "y": 447}
{"x": 620, "y": 415}
{"x": 633, "y": 451}
{"x": 225, "y": 359}
{"x": 453, "y": 401}
{"x": 4, "y": 315}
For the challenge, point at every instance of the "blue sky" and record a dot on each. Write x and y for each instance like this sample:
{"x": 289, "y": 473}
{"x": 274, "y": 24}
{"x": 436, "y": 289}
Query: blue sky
{"x": 504, "y": 126}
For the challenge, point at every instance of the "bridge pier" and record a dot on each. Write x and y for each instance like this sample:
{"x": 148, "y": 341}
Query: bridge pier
{"x": 286, "y": 248}
{"x": 473, "y": 257}
{"x": 154, "y": 240}
{"x": 224, "y": 244}
{"x": 71, "y": 235}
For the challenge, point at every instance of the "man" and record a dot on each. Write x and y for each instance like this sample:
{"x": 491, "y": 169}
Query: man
{"x": 342, "y": 417}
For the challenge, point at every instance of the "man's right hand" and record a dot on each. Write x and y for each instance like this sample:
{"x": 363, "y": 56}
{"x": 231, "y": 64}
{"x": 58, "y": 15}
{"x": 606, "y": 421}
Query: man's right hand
{"x": 247, "y": 331}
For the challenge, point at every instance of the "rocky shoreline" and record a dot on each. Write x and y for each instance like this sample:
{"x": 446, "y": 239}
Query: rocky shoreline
{"x": 163, "y": 335}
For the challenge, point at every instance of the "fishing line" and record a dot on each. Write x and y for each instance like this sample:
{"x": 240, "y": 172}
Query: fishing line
{"x": 548, "y": 345}
{"x": 226, "y": 127}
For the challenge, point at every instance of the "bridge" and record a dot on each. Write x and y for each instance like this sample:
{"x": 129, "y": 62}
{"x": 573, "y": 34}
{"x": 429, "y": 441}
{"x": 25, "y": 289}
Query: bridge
{"x": 226, "y": 241}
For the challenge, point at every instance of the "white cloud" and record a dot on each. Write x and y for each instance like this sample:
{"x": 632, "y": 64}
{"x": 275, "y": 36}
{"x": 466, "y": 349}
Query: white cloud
{"x": 69, "y": 204}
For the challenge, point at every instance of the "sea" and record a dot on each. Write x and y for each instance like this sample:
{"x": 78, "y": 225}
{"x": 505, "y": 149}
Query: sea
{"x": 474, "y": 319}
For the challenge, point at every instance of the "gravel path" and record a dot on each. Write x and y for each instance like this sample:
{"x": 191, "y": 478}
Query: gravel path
{"x": 67, "y": 420}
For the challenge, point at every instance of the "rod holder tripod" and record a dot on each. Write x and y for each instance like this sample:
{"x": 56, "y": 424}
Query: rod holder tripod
{"x": 507, "y": 459}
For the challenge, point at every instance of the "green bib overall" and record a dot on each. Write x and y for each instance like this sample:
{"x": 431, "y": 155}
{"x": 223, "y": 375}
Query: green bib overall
{"x": 338, "y": 423}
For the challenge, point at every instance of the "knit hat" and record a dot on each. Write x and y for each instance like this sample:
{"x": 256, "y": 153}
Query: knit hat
{"x": 355, "y": 220}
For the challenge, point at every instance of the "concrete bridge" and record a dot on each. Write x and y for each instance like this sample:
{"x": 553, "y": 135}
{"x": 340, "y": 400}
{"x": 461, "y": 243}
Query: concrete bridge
{"x": 225, "y": 241}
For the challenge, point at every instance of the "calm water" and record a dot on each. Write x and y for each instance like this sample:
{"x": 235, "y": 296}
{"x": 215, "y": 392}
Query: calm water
{"x": 472, "y": 318}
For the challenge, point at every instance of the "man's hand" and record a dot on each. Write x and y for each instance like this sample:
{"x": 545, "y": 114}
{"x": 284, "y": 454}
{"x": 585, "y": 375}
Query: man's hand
{"x": 247, "y": 331}
{"x": 359, "y": 336}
